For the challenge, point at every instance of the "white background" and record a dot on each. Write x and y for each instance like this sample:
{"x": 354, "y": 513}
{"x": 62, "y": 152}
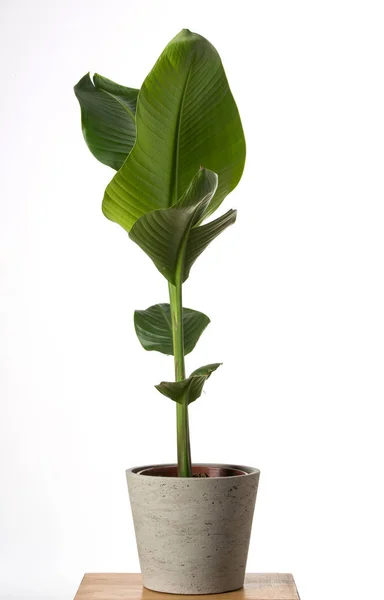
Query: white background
{"x": 294, "y": 290}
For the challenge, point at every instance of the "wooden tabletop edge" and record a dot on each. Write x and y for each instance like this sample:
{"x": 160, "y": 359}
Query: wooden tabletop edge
{"x": 100, "y": 586}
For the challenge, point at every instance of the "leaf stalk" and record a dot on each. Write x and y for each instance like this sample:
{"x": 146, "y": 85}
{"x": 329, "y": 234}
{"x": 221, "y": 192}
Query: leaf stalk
{"x": 182, "y": 421}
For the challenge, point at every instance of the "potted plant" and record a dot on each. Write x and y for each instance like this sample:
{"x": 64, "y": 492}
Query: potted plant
{"x": 178, "y": 149}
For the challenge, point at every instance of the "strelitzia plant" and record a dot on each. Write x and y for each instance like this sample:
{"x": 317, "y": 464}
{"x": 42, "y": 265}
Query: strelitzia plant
{"x": 178, "y": 147}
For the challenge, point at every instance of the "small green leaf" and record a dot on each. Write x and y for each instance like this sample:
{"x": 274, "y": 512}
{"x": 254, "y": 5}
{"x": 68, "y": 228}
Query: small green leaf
{"x": 163, "y": 234}
{"x": 154, "y": 328}
{"x": 107, "y": 118}
{"x": 189, "y": 389}
{"x": 206, "y": 370}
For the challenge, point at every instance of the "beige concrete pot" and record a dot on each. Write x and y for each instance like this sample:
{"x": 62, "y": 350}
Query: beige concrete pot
{"x": 193, "y": 533}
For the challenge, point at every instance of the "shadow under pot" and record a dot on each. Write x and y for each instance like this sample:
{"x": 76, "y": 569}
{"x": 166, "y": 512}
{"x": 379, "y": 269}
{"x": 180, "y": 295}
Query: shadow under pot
{"x": 193, "y": 533}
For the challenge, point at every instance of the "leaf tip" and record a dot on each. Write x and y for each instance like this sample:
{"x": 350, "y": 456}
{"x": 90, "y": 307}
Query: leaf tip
{"x": 83, "y": 82}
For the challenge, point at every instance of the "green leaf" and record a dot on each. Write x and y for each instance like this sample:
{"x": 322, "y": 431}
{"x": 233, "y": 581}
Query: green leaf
{"x": 200, "y": 237}
{"x": 125, "y": 95}
{"x": 200, "y": 191}
{"x": 186, "y": 117}
{"x": 154, "y": 328}
{"x": 163, "y": 234}
{"x": 189, "y": 389}
{"x": 107, "y": 118}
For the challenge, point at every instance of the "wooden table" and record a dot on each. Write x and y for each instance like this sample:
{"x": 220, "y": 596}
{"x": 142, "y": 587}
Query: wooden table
{"x": 128, "y": 586}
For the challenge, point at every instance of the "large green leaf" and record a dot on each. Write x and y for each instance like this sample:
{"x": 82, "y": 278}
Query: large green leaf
{"x": 154, "y": 328}
{"x": 107, "y": 118}
{"x": 186, "y": 117}
{"x": 189, "y": 389}
{"x": 163, "y": 234}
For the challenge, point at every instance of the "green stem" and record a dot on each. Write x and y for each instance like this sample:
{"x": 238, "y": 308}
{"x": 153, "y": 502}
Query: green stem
{"x": 183, "y": 444}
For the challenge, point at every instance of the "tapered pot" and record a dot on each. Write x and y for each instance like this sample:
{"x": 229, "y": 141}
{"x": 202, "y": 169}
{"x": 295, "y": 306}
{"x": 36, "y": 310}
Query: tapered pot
{"x": 193, "y": 533}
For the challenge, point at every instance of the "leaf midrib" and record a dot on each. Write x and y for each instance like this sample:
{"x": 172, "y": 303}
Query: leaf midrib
{"x": 174, "y": 196}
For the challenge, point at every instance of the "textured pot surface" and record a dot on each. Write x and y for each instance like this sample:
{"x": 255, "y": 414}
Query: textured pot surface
{"x": 193, "y": 533}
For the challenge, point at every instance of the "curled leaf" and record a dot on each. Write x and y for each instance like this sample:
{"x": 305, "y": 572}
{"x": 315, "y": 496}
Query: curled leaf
{"x": 107, "y": 118}
{"x": 189, "y": 389}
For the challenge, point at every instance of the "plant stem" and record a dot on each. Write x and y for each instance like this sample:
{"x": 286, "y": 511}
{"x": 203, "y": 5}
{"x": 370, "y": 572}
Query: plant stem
{"x": 183, "y": 443}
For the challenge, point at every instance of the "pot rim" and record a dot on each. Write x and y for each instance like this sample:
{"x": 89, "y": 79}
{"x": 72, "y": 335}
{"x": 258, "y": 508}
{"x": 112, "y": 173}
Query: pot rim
{"x": 137, "y": 471}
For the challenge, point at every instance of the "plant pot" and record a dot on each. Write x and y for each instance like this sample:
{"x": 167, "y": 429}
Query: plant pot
{"x": 193, "y": 533}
